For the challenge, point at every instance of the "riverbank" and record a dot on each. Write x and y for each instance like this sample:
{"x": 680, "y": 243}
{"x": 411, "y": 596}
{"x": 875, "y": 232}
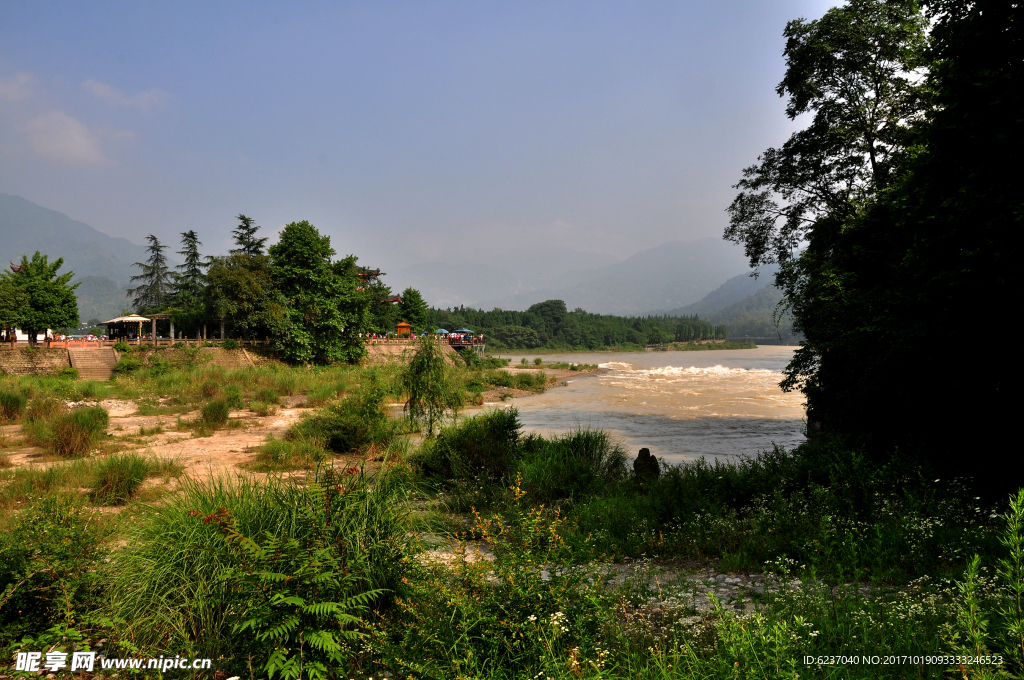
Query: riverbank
{"x": 542, "y": 556}
{"x": 618, "y": 349}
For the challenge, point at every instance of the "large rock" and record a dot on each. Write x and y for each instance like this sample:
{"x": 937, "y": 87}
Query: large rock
{"x": 646, "y": 466}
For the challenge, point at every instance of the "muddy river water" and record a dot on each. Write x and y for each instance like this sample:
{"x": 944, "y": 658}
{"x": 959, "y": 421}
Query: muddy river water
{"x": 722, "y": 404}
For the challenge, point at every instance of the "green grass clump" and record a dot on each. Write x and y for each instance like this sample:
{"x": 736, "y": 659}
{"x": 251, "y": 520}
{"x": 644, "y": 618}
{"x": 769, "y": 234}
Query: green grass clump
{"x": 262, "y": 408}
{"x": 283, "y": 454}
{"x": 209, "y": 389}
{"x": 12, "y": 405}
{"x": 198, "y": 568}
{"x": 119, "y": 477}
{"x": 267, "y": 396}
{"x": 215, "y": 413}
{"x": 68, "y": 373}
{"x": 486, "y": 446}
{"x": 77, "y": 432}
{"x": 44, "y": 408}
{"x": 127, "y": 366}
{"x": 49, "y": 561}
{"x": 574, "y": 465}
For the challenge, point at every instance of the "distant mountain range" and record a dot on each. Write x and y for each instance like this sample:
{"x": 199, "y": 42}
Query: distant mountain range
{"x": 672, "y": 275}
{"x": 103, "y": 264}
{"x": 708, "y": 276}
{"x": 746, "y": 305}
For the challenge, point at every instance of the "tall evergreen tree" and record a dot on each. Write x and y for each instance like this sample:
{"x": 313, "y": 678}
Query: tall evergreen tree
{"x": 188, "y": 309}
{"x": 152, "y": 293}
{"x": 190, "y": 277}
{"x": 245, "y": 237}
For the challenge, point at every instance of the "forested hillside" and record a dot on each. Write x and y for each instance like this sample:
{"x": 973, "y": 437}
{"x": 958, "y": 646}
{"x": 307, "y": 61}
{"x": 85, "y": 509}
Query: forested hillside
{"x": 550, "y": 324}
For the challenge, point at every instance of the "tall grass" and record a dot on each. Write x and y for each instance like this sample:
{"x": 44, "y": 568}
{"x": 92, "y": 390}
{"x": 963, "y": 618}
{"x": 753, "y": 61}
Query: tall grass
{"x": 177, "y": 584}
{"x": 118, "y": 478}
{"x": 12, "y": 405}
{"x": 65, "y": 433}
{"x": 578, "y": 464}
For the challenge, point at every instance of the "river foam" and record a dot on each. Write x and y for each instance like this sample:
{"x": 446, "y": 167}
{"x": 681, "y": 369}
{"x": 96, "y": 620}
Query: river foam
{"x": 717, "y": 404}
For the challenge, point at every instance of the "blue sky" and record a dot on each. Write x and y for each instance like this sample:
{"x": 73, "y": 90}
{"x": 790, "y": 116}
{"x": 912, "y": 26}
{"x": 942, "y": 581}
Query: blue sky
{"x": 409, "y": 132}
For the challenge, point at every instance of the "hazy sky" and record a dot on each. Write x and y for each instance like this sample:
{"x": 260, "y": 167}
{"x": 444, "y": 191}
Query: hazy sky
{"x": 409, "y": 132}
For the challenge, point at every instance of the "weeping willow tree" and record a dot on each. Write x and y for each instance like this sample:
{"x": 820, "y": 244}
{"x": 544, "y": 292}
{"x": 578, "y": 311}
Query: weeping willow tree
{"x": 433, "y": 390}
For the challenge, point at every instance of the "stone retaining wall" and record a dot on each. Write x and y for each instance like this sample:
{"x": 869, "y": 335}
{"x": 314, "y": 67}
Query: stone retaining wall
{"x": 25, "y": 361}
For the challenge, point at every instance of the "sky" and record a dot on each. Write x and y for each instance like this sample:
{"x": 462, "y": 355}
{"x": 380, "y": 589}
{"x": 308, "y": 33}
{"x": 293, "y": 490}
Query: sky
{"x": 410, "y": 132}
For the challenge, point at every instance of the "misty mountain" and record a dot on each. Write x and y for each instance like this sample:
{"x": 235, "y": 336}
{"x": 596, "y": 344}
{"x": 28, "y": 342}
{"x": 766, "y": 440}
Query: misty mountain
{"x": 102, "y": 263}
{"x": 746, "y": 305}
{"x": 732, "y": 291}
{"x": 672, "y": 275}
{"x": 495, "y": 273}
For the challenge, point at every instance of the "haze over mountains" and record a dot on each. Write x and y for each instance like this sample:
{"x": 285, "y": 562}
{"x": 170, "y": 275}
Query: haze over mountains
{"x": 707, "y": 276}
{"x": 103, "y": 264}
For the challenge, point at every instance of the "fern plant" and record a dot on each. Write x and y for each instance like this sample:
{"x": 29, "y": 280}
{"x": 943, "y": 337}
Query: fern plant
{"x": 302, "y": 600}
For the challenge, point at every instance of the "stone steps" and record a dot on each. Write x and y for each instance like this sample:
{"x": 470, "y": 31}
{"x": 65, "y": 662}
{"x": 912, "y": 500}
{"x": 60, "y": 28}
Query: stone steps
{"x": 93, "y": 364}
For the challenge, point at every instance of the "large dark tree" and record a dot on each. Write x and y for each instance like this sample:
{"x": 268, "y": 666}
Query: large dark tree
{"x": 938, "y": 236}
{"x": 242, "y": 289}
{"x": 152, "y": 293}
{"x": 40, "y": 297}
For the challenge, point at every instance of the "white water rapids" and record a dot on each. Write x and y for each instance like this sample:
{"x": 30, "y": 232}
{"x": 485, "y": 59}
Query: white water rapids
{"x": 682, "y": 405}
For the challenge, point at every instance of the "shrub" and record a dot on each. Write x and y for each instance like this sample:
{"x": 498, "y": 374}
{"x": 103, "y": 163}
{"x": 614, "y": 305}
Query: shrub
{"x": 433, "y": 392}
{"x": 262, "y": 408}
{"x": 215, "y": 413}
{"x": 76, "y": 432}
{"x": 48, "y": 563}
{"x": 209, "y": 389}
{"x": 122, "y": 347}
{"x": 267, "y": 396}
{"x": 282, "y": 454}
{"x": 233, "y": 397}
{"x": 538, "y": 361}
{"x": 12, "y": 405}
{"x": 68, "y": 373}
{"x": 353, "y": 424}
{"x": 230, "y": 344}
{"x": 127, "y": 366}
{"x": 486, "y": 445}
{"x": 572, "y": 465}
{"x": 119, "y": 477}
{"x": 44, "y": 408}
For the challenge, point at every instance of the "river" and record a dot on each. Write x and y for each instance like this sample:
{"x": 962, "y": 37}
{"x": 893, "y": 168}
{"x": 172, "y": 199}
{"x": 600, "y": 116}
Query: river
{"x": 721, "y": 404}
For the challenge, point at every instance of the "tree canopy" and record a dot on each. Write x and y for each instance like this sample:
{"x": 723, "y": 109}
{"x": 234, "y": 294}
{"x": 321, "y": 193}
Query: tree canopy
{"x": 40, "y": 298}
{"x": 929, "y": 232}
{"x": 323, "y": 305}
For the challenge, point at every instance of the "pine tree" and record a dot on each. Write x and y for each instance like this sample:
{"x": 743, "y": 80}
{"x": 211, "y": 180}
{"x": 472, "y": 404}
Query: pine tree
{"x": 245, "y": 237}
{"x": 190, "y": 279}
{"x": 155, "y": 280}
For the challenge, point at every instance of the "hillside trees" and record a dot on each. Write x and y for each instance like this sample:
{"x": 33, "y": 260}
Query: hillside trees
{"x": 324, "y": 308}
{"x": 39, "y": 297}
{"x": 154, "y": 289}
